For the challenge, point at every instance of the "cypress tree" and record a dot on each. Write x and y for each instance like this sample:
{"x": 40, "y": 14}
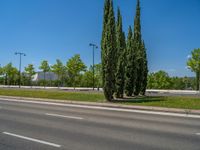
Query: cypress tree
{"x": 137, "y": 41}
{"x": 129, "y": 67}
{"x": 120, "y": 42}
{"x": 119, "y": 35}
{"x": 145, "y": 70}
{"x": 103, "y": 43}
{"x": 108, "y": 54}
{"x": 137, "y": 24}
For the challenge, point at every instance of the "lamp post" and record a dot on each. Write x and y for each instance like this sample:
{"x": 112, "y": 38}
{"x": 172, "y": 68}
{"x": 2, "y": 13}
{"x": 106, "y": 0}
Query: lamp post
{"x": 94, "y": 46}
{"x": 20, "y": 63}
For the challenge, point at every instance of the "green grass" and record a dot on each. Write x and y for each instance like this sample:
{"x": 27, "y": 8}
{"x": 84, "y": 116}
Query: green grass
{"x": 53, "y": 94}
{"x": 168, "y": 102}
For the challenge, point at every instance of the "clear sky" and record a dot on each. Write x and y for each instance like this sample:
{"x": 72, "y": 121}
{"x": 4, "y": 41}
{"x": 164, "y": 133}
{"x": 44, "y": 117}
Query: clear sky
{"x": 58, "y": 29}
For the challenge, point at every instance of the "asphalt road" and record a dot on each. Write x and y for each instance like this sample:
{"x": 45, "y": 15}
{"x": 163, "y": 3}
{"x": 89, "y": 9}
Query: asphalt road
{"x": 29, "y": 126}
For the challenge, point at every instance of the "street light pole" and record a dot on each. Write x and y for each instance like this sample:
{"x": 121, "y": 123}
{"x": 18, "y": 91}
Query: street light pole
{"x": 94, "y": 46}
{"x": 20, "y": 63}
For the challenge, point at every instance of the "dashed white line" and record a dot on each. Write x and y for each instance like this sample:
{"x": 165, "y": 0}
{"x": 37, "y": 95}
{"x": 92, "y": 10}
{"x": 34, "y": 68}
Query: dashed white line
{"x": 62, "y": 116}
{"x": 32, "y": 139}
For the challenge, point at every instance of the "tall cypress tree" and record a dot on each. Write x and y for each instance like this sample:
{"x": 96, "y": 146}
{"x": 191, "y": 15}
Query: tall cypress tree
{"x": 103, "y": 42}
{"x": 109, "y": 54}
{"x": 145, "y": 70}
{"x": 137, "y": 41}
{"x": 129, "y": 66}
{"x": 119, "y": 35}
{"x": 120, "y": 42}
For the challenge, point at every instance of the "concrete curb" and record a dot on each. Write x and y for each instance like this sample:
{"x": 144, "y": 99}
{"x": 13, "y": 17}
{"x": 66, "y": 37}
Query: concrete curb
{"x": 111, "y": 105}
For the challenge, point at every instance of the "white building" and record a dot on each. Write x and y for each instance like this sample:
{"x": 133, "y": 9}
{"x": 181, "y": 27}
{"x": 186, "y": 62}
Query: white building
{"x": 49, "y": 76}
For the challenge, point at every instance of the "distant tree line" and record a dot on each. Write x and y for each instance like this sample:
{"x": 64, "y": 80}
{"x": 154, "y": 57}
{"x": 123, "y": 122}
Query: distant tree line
{"x": 73, "y": 74}
{"x": 124, "y": 60}
{"x": 161, "y": 80}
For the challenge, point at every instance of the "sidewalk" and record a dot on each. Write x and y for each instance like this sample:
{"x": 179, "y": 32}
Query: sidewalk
{"x": 111, "y": 105}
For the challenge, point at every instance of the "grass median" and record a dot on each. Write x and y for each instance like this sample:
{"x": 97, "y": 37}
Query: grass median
{"x": 168, "y": 102}
{"x": 54, "y": 94}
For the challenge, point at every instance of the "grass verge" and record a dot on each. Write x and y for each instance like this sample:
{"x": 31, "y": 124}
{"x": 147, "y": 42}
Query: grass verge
{"x": 168, "y": 102}
{"x": 53, "y": 94}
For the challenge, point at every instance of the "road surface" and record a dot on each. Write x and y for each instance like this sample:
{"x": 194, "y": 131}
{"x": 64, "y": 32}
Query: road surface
{"x": 39, "y": 126}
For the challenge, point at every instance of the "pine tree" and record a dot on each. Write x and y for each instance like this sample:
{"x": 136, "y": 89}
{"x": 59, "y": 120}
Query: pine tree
{"x": 129, "y": 66}
{"x": 145, "y": 70}
{"x": 109, "y": 54}
{"x": 137, "y": 41}
{"x": 120, "y": 42}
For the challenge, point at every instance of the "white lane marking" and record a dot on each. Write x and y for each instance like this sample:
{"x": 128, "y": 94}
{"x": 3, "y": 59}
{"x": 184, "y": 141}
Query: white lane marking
{"x": 197, "y": 133}
{"x": 62, "y": 116}
{"x": 32, "y": 139}
{"x": 106, "y": 108}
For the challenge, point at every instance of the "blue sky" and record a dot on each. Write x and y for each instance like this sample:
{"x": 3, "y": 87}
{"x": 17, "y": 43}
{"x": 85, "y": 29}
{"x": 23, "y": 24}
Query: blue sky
{"x": 58, "y": 29}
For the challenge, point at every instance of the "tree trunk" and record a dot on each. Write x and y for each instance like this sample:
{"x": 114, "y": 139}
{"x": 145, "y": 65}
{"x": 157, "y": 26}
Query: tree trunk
{"x": 31, "y": 81}
{"x": 44, "y": 79}
{"x": 59, "y": 81}
{"x": 197, "y": 81}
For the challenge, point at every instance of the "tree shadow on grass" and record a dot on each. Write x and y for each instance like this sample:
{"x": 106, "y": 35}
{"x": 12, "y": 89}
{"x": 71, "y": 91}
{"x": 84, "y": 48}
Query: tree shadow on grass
{"x": 140, "y": 99}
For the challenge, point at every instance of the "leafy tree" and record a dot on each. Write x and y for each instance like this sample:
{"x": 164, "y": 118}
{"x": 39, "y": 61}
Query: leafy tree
{"x": 159, "y": 80}
{"x": 11, "y": 74}
{"x": 74, "y": 68}
{"x": 59, "y": 69}
{"x": 30, "y": 70}
{"x": 87, "y": 77}
{"x": 179, "y": 83}
{"x": 98, "y": 75}
{"x": 45, "y": 68}
{"x": 109, "y": 51}
{"x": 121, "y": 44}
{"x": 1, "y": 71}
{"x": 14, "y": 76}
{"x": 194, "y": 65}
{"x": 1, "y": 75}
{"x": 25, "y": 80}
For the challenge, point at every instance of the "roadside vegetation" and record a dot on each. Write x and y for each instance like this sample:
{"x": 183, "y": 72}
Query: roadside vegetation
{"x": 122, "y": 73}
{"x": 54, "y": 94}
{"x": 167, "y": 102}
{"x": 89, "y": 96}
{"x": 74, "y": 74}
{"x": 162, "y": 80}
